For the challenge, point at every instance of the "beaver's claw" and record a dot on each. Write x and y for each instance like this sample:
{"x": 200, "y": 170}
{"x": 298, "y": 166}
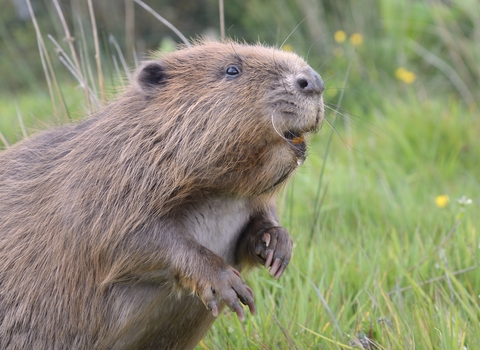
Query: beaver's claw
{"x": 227, "y": 286}
{"x": 275, "y": 248}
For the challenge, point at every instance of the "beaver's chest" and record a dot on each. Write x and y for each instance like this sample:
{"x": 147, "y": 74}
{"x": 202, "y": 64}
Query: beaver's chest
{"x": 217, "y": 224}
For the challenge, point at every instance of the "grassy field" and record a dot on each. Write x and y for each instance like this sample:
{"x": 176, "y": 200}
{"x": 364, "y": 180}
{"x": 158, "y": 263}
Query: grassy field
{"x": 384, "y": 212}
{"x": 385, "y": 261}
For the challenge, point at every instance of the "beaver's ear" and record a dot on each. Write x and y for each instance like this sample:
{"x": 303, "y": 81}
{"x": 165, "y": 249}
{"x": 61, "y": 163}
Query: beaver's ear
{"x": 151, "y": 76}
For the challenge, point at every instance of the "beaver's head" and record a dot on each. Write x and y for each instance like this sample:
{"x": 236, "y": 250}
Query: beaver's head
{"x": 233, "y": 116}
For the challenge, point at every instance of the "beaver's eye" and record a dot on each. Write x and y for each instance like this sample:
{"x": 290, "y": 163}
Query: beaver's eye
{"x": 232, "y": 71}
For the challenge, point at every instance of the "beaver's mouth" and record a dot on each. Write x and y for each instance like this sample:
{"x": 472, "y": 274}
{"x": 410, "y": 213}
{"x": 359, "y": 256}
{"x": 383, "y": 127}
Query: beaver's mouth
{"x": 297, "y": 140}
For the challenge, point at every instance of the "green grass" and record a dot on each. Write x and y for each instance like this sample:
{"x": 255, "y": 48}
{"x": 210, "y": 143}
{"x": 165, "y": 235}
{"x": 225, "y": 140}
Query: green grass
{"x": 380, "y": 239}
{"x": 374, "y": 255}
{"x": 34, "y": 111}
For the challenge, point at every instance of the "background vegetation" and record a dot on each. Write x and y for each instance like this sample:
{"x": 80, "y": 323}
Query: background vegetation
{"x": 385, "y": 253}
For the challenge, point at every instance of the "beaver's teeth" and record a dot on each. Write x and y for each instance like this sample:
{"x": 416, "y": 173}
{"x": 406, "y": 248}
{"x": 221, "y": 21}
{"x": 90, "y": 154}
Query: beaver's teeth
{"x": 298, "y": 140}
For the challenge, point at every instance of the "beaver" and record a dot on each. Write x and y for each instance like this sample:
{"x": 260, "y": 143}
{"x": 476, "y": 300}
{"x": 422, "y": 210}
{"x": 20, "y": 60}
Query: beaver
{"x": 128, "y": 229}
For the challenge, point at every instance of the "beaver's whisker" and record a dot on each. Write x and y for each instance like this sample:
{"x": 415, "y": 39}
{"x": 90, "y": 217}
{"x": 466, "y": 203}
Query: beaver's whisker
{"x": 346, "y": 117}
{"x": 346, "y": 112}
{"x": 336, "y": 131}
{"x": 275, "y": 128}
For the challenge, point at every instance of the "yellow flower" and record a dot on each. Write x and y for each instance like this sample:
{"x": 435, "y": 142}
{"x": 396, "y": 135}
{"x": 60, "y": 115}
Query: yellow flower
{"x": 356, "y": 39}
{"x": 287, "y": 48}
{"x": 405, "y": 75}
{"x": 340, "y": 36}
{"x": 442, "y": 201}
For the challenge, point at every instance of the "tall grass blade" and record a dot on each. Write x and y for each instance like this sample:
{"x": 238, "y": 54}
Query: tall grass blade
{"x": 20, "y": 120}
{"x": 164, "y": 21}
{"x": 446, "y": 69}
{"x": 101, "y": 81}
{"x": 73, "y": 52}
{"x": 47, "y": 66}
{"x": 317, "y": 201}
{"x": 222, "y": 19}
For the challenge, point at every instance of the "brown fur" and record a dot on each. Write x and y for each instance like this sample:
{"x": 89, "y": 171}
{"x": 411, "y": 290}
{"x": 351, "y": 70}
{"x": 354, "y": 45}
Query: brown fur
{"x": 124, "y": 231}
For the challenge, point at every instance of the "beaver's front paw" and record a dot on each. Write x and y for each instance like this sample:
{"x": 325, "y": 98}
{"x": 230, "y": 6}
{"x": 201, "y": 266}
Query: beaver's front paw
{"x": 226, "y": 286}
{"x": 274, "y": 246}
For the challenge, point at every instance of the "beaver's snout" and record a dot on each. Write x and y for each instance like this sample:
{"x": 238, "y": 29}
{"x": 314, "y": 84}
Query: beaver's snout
{"x": 309, "y": 82}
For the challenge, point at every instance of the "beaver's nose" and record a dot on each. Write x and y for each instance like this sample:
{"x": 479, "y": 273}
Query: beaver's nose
{"x": 309, "y": 82}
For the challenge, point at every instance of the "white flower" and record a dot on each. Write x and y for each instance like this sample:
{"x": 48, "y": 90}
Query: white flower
{"x": 464, "y": 201}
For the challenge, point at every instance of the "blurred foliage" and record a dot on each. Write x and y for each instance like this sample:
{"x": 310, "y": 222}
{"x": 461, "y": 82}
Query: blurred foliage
{"x": 434, "y": 41}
